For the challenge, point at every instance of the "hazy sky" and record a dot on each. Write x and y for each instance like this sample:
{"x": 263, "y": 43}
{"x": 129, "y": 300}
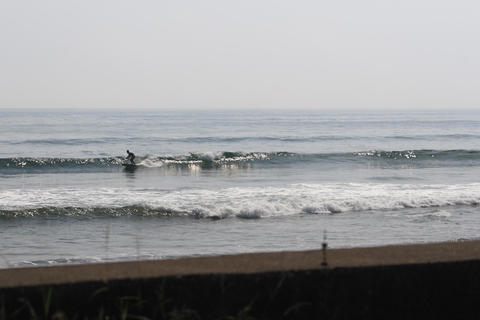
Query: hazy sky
{"x": 240, "y": 54}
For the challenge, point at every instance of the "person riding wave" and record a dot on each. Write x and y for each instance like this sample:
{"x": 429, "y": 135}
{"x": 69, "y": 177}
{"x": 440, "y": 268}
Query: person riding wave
{"x": 131, "y": 157}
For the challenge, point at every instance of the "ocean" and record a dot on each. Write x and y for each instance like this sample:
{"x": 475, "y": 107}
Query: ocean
{"x": 224, "y": 182}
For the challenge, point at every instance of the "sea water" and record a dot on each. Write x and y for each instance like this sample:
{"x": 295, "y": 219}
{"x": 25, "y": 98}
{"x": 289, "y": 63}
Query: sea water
{"x": 223, "y": 182}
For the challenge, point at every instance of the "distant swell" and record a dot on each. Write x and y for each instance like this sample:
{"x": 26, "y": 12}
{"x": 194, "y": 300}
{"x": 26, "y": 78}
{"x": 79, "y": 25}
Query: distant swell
{"x": 233, "y": 139}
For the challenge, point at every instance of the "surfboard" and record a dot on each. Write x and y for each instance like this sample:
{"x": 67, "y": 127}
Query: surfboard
{"x": 129, "y": 165}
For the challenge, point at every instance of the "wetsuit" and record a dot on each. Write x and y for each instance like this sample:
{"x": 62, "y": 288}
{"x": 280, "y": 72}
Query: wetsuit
{"x": 131, "y": 157}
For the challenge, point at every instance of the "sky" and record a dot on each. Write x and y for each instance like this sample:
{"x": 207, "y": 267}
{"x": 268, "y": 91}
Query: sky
{"x": 223, "y": 54}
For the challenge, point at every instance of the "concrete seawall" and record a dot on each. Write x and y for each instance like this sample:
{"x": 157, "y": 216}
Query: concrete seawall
{"x": 403, "y": 290}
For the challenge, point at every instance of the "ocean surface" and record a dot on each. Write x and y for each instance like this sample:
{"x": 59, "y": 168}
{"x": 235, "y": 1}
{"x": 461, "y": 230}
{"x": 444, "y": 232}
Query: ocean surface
{"x": 211, "y": 182}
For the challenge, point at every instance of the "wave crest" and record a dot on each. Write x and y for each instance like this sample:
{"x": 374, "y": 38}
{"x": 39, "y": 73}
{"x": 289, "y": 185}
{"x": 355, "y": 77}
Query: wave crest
{"x": 220, "y": 159}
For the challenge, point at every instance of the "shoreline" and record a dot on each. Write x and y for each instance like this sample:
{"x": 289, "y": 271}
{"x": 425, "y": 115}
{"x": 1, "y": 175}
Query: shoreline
{"x": 248, "y": 263}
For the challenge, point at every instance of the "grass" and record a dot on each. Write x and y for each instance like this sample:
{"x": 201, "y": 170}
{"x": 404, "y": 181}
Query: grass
{"x": 122, "y": 308}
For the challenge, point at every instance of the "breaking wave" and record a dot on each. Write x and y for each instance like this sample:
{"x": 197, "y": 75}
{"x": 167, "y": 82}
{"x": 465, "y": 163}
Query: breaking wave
{"x": 418, "y": 158}
{"x": 244, "y": 203}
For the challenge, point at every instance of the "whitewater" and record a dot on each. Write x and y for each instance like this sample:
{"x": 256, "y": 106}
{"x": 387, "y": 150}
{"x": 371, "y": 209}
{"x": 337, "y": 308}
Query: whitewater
{"x": 209, "y": 183}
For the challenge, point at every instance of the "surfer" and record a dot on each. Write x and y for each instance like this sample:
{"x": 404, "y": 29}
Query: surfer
{"x": 131, "y": 157}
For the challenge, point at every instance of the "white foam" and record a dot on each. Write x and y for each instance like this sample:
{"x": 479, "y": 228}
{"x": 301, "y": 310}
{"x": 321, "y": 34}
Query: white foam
{"x": 151, "y": 163}
{"x": 156, "y": 161}
{"x": 253, "y": 202}
{"x": 437, "y": 214}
